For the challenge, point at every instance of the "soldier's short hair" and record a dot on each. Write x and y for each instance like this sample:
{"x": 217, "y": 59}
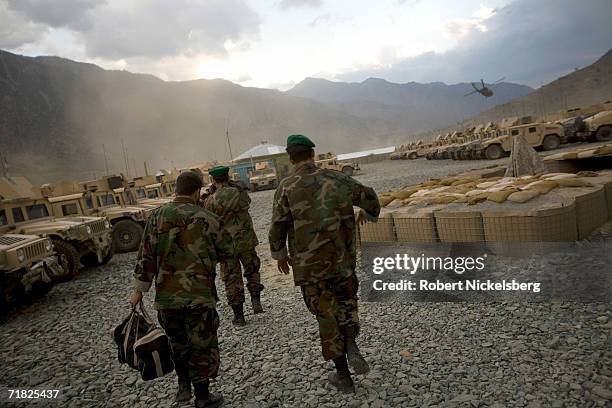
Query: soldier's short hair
{"x": 221, "y": 178}
{"x": 298, "y": 153}
{"x": 188, "y": 183}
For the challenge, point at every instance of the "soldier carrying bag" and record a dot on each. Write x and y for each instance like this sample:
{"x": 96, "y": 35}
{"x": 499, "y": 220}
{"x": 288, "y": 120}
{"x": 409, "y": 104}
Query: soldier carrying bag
{"x": 143, "y": 346}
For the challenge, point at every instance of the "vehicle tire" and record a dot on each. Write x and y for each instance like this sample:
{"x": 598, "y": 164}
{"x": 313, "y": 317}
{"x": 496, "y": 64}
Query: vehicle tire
{"x": 604, "y": 134}
{"x": 551, "y": 142}
{"x": 494, "y": 152}
{"x": 413, "y": 156}
{"x": 348, "y": 170}
{"x": 127, "y": 235}
{"x": 90, "y": 259}
{"x": 69, "y": 258}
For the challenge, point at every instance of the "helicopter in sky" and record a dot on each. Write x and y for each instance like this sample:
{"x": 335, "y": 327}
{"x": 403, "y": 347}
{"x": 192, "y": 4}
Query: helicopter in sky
{"x": 484, "y": 91}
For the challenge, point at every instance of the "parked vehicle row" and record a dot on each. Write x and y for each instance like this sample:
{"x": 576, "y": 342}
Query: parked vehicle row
{"x": 48, "y": 233}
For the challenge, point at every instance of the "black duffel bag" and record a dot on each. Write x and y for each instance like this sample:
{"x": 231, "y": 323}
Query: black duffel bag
{"x": 143, "y": 346}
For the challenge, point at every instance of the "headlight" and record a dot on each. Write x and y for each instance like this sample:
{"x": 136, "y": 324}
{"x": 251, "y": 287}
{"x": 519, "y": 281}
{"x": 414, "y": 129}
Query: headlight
{"x": 20, "y": 255}
{"x": 88, "y": 229}
{"x": 48, "y": 245}
{"x": 107, "y": 224}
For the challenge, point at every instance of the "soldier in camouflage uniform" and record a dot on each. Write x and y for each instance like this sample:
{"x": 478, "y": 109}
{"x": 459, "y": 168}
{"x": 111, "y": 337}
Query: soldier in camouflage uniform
{"x": 313, "y": 209}
{"x": 181, "y": 246}
{"x": 230, "y": 201}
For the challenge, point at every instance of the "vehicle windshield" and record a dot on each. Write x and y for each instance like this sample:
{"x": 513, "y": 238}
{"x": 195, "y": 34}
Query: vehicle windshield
{"x": 37, "y": 211}
{"x": 3, "y": 218}
{"x": 105, "y": 200}
{"x": 141, "y": 193}
{"x": 153, "y": 193}
{"x": 71, "y": 208}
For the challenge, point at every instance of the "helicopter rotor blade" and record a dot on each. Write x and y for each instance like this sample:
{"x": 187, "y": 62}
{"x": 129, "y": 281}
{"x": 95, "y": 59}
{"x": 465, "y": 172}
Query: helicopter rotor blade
{"x": 471, "y": 93}
{"x": 499, "y": 80}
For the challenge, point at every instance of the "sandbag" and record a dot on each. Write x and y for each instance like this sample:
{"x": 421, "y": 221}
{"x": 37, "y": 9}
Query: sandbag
{"x": 385, "y": 199}
{"x": 446, "y": 199}
{"x": 604, "y": 150}
{"x": 559, "y": 176}
{"x": 573, "y": 182}
{"x": 541, "y": 186}
{"x": 405, "y": 193}
{"x": 501, "y": 196}
{"x": 475, "y": 192}
{"x": 585, "y": 154}
{"x": 462, "y": 181}
{"x": 586, "y": 173}
{"x": 522, "y": 196}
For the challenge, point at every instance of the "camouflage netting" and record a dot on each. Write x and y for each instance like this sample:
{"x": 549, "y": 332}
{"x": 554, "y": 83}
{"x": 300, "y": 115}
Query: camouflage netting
{"x": 524, "y": 160}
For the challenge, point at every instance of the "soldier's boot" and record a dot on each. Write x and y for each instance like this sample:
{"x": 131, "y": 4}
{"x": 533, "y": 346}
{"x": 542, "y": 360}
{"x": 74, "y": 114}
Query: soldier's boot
{"x": 355, "y": 359}
{"x": 238, "y": 315}
{"x": 184, "y": 391}
{"x": 341, "y": 378}
{"x": 204, "y": 398}
{"x": 184, "y": 383}
{"x": 256, "y": 302}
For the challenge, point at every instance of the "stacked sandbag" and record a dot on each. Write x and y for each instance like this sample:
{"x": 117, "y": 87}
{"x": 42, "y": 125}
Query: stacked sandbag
{"x": 551, "y": 207}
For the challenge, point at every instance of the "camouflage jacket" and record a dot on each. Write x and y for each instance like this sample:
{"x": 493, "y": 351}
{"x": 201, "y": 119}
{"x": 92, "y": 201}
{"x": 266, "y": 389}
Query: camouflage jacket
{"x": 313, "y": 208}
{"x": 231, "y": 203}
{"x": 181, "y": 246}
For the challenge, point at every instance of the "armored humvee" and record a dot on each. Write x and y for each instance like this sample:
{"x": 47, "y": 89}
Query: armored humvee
{"x": 264, "y": 177}
{"x": 330, "y": 161}
{"x": 77, "y": 239}
{"x": 28, "y": 267}
{"x": 595, "y": 128}
{"x": 151, "y": 191}
{"x": 547, "y": 136}
{"x": 97, "y": 198}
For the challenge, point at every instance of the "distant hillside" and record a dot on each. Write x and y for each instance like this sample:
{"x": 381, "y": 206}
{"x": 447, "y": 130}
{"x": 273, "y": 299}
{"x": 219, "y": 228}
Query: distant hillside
{"x": 583, "y": 87}
{"x": 412, "y": 106}
{"x": 57, "y": 113}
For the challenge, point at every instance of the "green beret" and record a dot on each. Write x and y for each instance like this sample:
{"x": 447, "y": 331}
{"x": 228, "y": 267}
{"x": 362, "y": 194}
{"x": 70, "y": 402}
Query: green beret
{"x": 218, "y": 171}
{"x": 302, "y": 140}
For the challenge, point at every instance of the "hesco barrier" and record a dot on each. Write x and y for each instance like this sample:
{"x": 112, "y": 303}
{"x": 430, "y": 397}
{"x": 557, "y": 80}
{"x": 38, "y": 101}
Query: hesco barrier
{"x": 565, "y": 216}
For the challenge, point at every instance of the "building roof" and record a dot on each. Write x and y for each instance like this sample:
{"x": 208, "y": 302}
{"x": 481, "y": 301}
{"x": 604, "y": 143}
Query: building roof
{"x": 354, "y": 155}
{"x": 262, "y": 149}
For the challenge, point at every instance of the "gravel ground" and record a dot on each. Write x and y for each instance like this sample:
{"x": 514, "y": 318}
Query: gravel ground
{"x": 452, "y": 354}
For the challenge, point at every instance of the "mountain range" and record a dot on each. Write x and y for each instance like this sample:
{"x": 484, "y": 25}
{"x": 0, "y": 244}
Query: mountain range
{"x": 60, "y": 118}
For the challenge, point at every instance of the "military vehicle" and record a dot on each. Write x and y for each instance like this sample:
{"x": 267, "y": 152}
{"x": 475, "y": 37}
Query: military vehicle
{"x": 330, "y": 161}
{"x": 77, "y": 239}
{"x": 28, "y": 267}
{"x": 97, "y": 198}
{"x": 411, "y": 151}
{"x": 446, "y": 143}
{"x": 594, "y": 128}
{"x": 461, "y": 140}
{"x": 150, "y": 190}
{"x": 438, "y": 143}
{"x": 263, "y": 177}
{"x": 547, "y": 136}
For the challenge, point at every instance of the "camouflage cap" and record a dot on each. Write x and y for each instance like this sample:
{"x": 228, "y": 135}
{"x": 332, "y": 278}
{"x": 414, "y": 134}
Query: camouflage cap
{"x": 300, "y": 140}
{"x": 218, "y": 171}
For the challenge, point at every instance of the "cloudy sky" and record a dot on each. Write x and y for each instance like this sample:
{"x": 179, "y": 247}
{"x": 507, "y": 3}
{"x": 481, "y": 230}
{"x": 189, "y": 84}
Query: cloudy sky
{"x": 277, "y": 43}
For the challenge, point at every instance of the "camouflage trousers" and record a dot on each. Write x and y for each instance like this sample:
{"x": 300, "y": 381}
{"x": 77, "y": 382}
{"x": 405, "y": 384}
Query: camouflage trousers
{"x": 334, "y": 304}
{"x": 232, "y": 269}
{"x": 193, "y": 336}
